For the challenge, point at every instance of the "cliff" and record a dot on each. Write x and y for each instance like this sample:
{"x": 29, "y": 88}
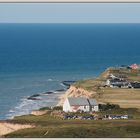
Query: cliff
{"x": 76, "y": 92}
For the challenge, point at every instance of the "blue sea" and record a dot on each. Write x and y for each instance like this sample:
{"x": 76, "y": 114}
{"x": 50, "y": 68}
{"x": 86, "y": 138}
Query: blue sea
{"x": 36, "y": 58}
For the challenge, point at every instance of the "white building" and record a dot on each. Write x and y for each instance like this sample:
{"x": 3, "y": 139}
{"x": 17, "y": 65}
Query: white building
{"x": 74, "y": 104}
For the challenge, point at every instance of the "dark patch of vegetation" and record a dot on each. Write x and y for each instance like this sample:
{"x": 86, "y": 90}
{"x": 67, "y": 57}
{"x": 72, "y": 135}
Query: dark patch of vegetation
{"x": 133, "y": 113}
{"x": 45, "y": 108}
{"x": 52, "y": 109}
{"x": 58, "y": 108}
{"x": 108, "y": 106}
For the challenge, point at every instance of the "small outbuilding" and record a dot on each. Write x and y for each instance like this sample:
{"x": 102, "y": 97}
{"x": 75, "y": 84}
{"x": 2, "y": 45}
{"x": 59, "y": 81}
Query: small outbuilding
{"x": 74, "y": 104}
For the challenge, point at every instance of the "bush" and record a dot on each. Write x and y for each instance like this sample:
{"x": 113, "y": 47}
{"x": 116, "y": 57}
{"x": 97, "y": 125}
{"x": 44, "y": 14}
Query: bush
{"x": 58, "y": 108}
{"x": 108, "y": 106}
{"x": 45, "y": 108}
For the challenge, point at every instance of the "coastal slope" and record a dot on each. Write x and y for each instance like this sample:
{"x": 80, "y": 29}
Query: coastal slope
{"x": 7, "y": 127}
{"x": 75, "y": 92}
{"x": 94, "y": 88}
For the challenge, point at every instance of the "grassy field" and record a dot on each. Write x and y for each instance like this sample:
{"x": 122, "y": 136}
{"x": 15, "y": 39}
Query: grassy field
{"x": 48, "y": 126}
{"x": 108, "y": 130}
{"x": 127, "y": 98}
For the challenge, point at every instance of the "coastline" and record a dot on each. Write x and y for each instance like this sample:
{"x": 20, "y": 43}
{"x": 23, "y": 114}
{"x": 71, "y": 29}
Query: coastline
{"x": 95, "y": 88}
{"x": 37, "y": 101}
{"x": 7, "y": 127}
{"x": 90, "y": 88}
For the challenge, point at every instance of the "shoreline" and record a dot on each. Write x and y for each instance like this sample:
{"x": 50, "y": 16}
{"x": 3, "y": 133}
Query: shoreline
{"x": 8, "y": 127}
{"x": 78, "y": 89}
{"x": 72, "y": 90}
{"x": 40, "y": 97}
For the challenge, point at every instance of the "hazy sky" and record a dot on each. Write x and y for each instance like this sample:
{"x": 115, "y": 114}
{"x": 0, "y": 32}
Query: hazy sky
{"x": 70, "y": 13}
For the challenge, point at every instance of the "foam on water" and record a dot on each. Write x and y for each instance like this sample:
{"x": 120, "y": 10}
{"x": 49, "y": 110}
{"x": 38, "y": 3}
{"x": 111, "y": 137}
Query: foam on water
{"x": 25, "y": 106}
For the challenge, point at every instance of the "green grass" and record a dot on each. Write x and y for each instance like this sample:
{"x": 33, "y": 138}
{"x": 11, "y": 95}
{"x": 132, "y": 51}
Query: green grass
{"x": 44, "y": 108}
{"x": 50, "y": 127}
{"x": 133, "y": 113}
{"x": 85, "y": 129}
{"x": 126, "y": 98}
{"x": 44, "y": 120}
{"x": 90, "y": 84}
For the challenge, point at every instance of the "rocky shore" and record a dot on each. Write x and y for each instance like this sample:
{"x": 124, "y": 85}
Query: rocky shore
{"x": 7, "y": 127}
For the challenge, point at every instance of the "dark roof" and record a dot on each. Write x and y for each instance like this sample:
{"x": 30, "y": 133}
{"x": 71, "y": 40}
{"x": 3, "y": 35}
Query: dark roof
{"x": 78, "y": 101}
{"x": 81, "y": 101}
{"x": 119, "y": 84}
{"x": 117, "y": 80}
{"x": 135, "y": 84}
{"x": 93, "y": 102}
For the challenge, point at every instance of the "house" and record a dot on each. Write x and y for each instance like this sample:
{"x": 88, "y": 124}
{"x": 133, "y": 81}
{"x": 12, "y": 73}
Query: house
{"x": 135, "y": 66}
{"x": 74, "y": 104}
{"x": 125, "y": 67}
{"x": 109, "y": 79}
{"x": 134, "y": 84}
{"x": 117, "y": 82}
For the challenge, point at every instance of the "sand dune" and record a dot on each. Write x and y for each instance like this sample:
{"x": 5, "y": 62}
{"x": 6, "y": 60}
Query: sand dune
{"x": 6, "y": 127}
{"x": 75, "y": 92}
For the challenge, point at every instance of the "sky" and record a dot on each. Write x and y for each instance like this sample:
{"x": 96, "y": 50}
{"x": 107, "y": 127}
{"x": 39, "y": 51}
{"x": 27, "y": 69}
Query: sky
{"x": 69, "y": 12}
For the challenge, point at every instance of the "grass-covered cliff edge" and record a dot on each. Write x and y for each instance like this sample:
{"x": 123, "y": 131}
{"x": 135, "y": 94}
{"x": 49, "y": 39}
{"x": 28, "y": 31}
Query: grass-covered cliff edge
{"x": 47, "y": 125}
{"x": 94, "y": 88}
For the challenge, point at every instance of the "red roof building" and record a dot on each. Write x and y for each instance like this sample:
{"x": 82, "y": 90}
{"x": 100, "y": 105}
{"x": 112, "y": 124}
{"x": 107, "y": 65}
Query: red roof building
{"x": 135, "y": 66}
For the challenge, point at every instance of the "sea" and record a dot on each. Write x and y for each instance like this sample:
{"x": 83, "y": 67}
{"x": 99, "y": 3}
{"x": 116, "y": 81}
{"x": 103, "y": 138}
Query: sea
{"x": 36, "y": 58}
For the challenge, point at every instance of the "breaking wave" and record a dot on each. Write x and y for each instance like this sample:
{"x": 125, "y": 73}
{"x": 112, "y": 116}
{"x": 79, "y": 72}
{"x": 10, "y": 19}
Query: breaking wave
{"x": 26, "y": 106}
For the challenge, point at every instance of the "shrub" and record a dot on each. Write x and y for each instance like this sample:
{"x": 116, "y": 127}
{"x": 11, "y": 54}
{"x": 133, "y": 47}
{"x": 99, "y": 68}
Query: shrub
{"x": 58, "y": 108}
{"x": 108, "y": 106}
{"x": 45, "y": 108}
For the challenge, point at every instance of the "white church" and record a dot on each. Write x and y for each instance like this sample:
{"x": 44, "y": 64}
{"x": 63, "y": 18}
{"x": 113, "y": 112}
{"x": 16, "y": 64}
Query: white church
{"x": 74, "y": 104}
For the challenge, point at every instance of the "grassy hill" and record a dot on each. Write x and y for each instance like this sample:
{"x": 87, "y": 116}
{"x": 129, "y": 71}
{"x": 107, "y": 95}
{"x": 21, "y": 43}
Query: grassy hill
{"x": 53, "y": 127}
{"x": 122, "y": 96}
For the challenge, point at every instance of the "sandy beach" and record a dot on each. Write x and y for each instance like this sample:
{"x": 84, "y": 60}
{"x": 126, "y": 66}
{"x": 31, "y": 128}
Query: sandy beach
{"x": 6, "y": 127}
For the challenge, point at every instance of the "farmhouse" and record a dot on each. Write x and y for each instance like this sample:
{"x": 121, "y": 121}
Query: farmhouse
{"x": 74, "y": 104}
